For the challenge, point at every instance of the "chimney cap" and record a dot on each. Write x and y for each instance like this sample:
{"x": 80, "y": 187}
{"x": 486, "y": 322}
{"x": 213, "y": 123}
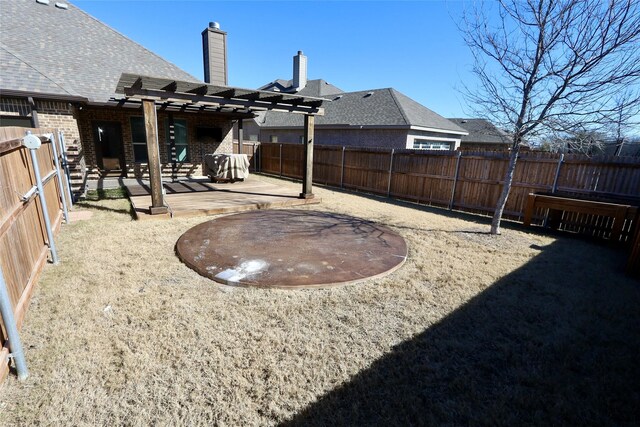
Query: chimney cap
{"x": 214, "y": 25}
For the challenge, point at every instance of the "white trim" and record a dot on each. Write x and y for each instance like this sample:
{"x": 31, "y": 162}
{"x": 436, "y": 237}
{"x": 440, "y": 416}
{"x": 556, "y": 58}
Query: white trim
{"x": 349, "y": 127}
{"x": 455, "y": 132}
{"x": 455, "y": 143}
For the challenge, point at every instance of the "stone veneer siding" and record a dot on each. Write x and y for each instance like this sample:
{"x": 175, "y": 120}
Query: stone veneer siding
{"x": 140, "y": 170}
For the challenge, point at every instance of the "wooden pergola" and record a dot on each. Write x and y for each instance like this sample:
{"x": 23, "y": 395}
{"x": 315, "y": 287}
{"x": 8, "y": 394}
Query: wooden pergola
{"x": 172, "y": 95}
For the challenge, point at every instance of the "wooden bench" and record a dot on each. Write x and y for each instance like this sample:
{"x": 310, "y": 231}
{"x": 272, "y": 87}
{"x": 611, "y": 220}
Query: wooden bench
{"x": 557, "y": 205}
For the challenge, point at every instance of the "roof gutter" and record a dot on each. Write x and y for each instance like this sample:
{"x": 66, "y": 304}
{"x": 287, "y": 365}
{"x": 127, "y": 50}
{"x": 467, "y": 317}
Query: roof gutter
{"x": 427, "y": 129}
{"x": 46, "y": 96}
{"x": 341, "y": 126}
{"x": 348, "y": 126}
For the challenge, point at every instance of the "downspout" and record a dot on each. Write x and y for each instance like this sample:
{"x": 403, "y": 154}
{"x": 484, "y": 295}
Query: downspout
{"x": 35, "y": 122}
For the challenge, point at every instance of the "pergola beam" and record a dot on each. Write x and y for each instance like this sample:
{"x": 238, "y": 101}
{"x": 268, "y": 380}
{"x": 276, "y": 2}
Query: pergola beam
{"x": 182, "y": 107}
{"x": 171, "y": 87}
{"x": 252, "y": 96}
{"x": 200, "y": 90}
{"x": 160, "y": 95}
{"x": 178, "y": 92}
{"x": 228, "y": 93}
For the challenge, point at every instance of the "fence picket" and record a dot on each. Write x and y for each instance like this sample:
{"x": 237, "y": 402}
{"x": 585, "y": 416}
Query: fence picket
{"x": 23, "y": 239}
{"x": 469, "y": 181}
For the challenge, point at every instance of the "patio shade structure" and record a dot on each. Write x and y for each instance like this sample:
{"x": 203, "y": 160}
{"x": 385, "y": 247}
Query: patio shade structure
{"x": 154, "y": 93}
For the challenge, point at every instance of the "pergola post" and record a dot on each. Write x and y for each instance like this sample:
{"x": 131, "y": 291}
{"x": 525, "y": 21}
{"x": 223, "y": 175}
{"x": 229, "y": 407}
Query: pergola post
{"x": 153, "y": 150}
{"x": 307, "y": 179}
{"x": 240, "y": 137}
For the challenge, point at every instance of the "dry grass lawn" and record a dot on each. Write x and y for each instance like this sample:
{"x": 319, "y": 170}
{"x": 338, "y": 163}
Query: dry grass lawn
{"x": 521, "y": 329}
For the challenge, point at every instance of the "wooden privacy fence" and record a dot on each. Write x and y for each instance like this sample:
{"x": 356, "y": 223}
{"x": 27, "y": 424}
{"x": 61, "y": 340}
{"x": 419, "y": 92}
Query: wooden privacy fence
{"x": 250, "y": 149}
{"x": 469, "y": 181}
{"x": 23, "y": 237}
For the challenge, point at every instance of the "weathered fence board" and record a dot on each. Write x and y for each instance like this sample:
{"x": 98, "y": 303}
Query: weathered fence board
{"x": 327, "y": 165}
{"x": 23, "y": 238}
{"x": 431, "y": 178}
{"x": 366, "y": 170}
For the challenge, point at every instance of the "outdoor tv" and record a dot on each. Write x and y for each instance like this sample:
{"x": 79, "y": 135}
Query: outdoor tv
{"x": 208, "y": 133}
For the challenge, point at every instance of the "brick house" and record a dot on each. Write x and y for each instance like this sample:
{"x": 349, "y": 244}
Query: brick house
{"x": 66, "y": 79}
{"x": 370, "y": 118}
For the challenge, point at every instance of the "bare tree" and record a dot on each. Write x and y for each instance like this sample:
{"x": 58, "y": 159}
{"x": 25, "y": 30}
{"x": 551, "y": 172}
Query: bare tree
{"x": 547, "y": 63}
{"x": 624, "y": 117}
{"x": 579, "y": 139}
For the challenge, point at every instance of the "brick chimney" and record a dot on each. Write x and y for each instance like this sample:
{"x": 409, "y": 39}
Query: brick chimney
{"x": 214, "y": 50}
{"x": 299, "y": 71}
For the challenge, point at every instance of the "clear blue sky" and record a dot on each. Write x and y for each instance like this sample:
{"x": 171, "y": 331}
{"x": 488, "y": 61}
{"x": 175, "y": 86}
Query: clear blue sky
{"x": 413, "y": 46}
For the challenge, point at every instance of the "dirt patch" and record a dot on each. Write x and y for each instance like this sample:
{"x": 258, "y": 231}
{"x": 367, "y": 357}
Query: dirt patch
{"x": 473, "y": 329}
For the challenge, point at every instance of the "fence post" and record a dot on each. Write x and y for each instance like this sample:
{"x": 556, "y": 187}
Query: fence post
{"x": 15, "y": 345}
{"x": 32, "y": 143}
{"x": 280, "y": 160}
{"x": 455, "y": 180}
{"x": 393, "y": 150}
{"x": 56, "y": 163}
{"x": 253, "y": 156}
{"x": 554, "y": 188}
{"x": 555, "y": 178}
{"x": 342, "y": 169}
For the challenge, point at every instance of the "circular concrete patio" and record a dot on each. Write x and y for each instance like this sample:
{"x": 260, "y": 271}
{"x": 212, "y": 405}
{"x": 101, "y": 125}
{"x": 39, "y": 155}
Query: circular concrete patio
{"x": 291, "y": 249}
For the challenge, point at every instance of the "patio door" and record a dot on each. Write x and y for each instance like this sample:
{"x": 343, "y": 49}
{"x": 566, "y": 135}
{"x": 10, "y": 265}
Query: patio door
{"x": 109, "y": 147}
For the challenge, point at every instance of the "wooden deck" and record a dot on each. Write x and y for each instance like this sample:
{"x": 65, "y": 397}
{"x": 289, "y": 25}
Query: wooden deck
{"x": 201, "y": 197}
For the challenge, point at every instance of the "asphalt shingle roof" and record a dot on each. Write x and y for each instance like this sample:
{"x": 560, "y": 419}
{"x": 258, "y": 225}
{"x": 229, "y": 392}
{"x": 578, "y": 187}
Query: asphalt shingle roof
{"x": 481, "y": 131}
{"x": 19, "y": 75}
{"x": 68, "y": 52}
{"x": 377, "y": 107}
{"x": 317, "y": 88}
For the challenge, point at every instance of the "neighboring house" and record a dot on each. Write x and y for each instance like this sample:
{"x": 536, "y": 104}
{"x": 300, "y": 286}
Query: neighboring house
{"x": 369, "y": 118}
{"x": 59, "y": 69}
{"x": 483, "y": 135}
{"x": 630, "y": 148}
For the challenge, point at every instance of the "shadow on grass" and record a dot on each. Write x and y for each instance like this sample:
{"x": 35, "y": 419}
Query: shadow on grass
{"x": 556, "y": 342}
{"x": 478, "y": 218}
{"x": 93, "y": 205}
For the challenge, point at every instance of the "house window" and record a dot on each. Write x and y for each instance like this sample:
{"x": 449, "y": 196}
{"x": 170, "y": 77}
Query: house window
{"x": 20, "y": 121}
{"x": 139, "y": 140}
{"x": 273, "y": 138}
{"x": 182, "y": 147}
{"x": 253, "y": 137}
{"x": 425, "y": 144}
{"x": 301, "y": 139}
